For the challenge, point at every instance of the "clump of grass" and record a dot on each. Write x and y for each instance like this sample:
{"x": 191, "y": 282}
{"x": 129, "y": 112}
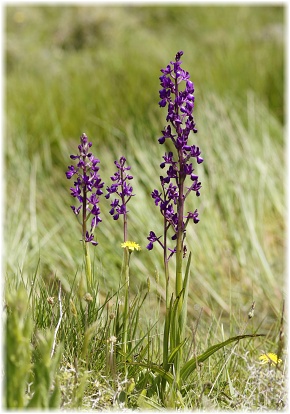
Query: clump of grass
{"x": 31, "y": 371}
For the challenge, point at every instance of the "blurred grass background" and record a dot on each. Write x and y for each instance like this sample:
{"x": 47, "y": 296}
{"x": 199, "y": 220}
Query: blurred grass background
{"x": 96, "y": 70}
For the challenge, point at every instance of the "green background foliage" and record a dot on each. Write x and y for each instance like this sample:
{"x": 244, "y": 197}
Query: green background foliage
{"x": 76, "y": 69}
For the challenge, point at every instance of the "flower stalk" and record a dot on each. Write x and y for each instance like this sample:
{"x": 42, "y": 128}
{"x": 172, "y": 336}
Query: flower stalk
{"x": 87, "y": 190}
{"x": 171, "y": 201}
{"x": 128, "y": 247}
{"x": 123, "y": 191}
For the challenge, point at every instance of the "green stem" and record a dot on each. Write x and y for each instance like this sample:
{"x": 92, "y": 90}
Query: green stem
{"x": 179, "y": 242}
{"x": 179, "y": 281}
{"x": 167, "y": 311}
{"x": 125, "y": 280}
{"x": 167, "y": 319}
{"x": 88, "y": 266}
{"x": 178, "y": 330}
{"x": 165, "y": 261}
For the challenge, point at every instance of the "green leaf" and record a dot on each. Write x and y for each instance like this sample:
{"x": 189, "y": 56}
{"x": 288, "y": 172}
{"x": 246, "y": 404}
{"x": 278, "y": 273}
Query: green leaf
{"x": 55, "y": 398}
{"x": 183, "y": 315}
{"x": 174, "y": 327}
{"x": 156, "y": 368}
{"x": 190, "y": 365}
{"x": 175, "y": 350}
{"x": 89, "y": 333}
{"x": 45, "y": 385}
{"x": 166, "y": 334}
{"x": 146, "y": 402}
{"x": 18, "y": 349}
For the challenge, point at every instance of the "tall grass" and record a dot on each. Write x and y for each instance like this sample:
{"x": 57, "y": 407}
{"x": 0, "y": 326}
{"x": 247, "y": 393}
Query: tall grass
{"x": 79, "y": 69}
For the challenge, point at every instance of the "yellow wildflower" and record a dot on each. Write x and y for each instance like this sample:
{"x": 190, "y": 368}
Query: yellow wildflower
{"x": 270, "y": 358}
{"x": 131, "y": 245}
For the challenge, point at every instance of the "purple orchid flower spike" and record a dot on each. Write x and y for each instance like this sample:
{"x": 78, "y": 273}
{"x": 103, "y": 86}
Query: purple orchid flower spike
{"x": 87, "y": 188}
{"x": 122, "y": 190}
{"x": 177, "y": 166}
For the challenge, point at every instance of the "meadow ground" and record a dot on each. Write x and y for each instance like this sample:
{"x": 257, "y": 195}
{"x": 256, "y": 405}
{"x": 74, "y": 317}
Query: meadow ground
{"x": 70, "y": 70}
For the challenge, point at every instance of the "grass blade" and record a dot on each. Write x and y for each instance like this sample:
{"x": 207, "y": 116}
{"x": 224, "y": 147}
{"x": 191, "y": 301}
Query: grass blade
{"x": 190, "y": 366}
